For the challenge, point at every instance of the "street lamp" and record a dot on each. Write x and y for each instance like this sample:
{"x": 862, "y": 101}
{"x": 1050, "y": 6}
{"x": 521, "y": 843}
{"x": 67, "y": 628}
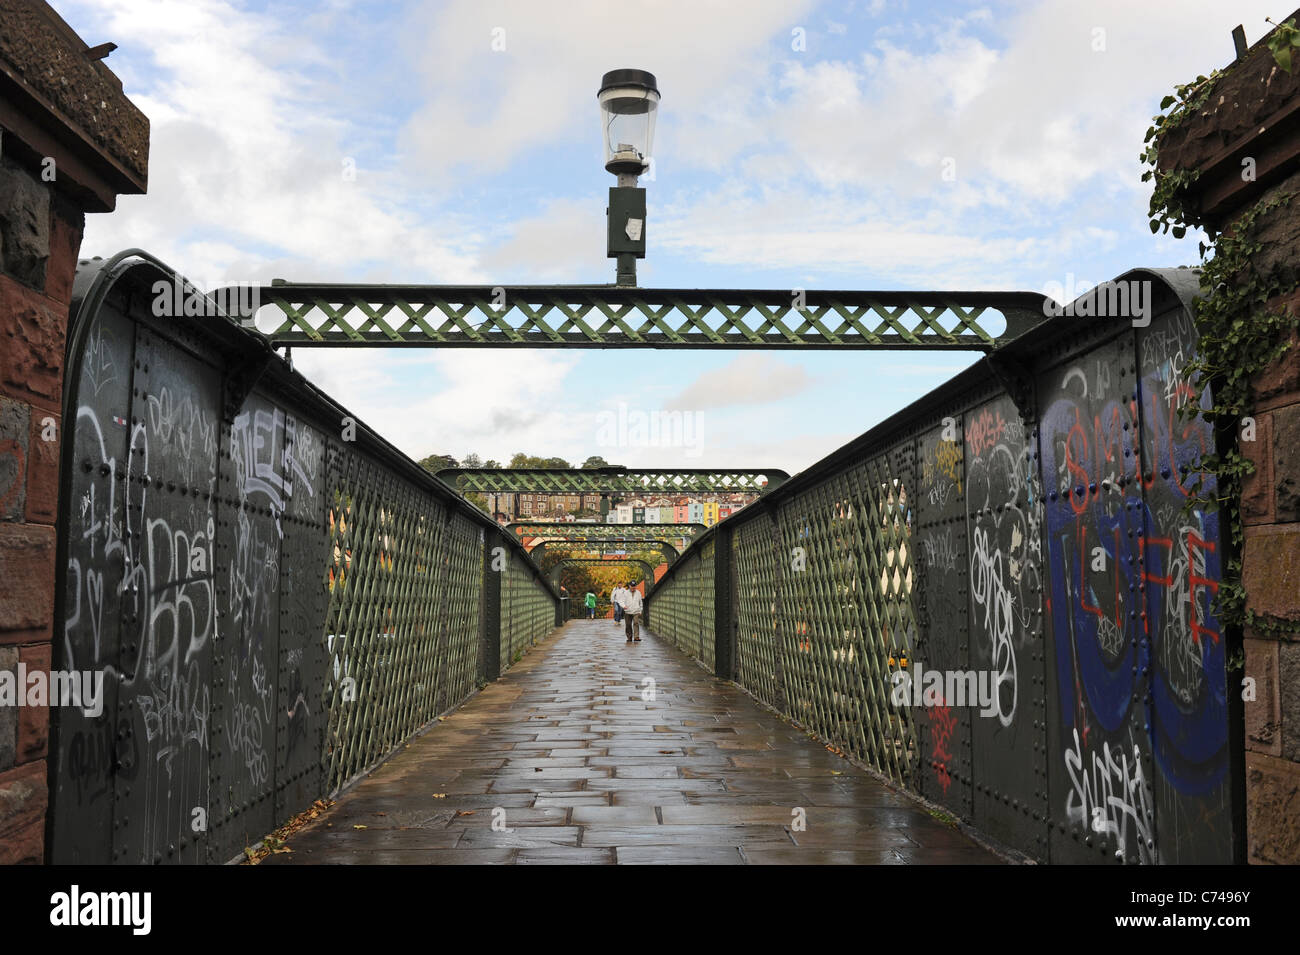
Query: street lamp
{"x": 629, "y": 100}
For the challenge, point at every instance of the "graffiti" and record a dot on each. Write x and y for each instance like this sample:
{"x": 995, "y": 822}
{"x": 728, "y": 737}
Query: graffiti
{"x": 1109, "y": 795}
{"x": 989, "y": 591}
{"x": 947, "y": 455}
{"x": 175, "y": 712}
{"x": 940, "y": 551}
{"x": 244, "y": 733}
{"x": 179, "y": 425}
{"x": 943, "y": 724}
{"x": 984, "y": 431}
{"x": 98, "y": 368}
{"x": 269, "y": 458}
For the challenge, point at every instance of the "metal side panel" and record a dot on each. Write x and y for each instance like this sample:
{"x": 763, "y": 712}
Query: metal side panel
{"x": 1100, "y": 760}
{"x": 1188, "y": 707}
{"x": 170, "y": 605}
{"x": 93, "y": 752}
{"x": 255, "y": 489}
{"x": 1007, "y": 646}
{"x": 300, "y": 717}
{"x": 943, "y": 610}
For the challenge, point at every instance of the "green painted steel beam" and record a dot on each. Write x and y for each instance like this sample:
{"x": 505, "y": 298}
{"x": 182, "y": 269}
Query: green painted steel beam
{"x": 609, "y": 316}
{"x": 614, "y": 480}
{"x": 564, "y": 530}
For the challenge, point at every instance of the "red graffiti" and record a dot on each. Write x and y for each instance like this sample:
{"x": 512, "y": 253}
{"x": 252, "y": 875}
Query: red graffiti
{"x": 1195, "y": 580}
{"x": 984, "y": 431}
{"x": 942, "y": 724}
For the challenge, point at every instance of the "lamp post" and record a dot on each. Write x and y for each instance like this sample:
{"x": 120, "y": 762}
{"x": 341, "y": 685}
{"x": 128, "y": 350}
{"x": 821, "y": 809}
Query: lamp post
{"x": 629, "y": 100}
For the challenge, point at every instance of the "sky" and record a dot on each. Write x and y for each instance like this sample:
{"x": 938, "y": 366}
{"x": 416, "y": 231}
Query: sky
{"x": 867, "y": 144}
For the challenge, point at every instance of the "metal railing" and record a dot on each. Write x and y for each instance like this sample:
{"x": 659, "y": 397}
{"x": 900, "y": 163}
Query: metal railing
{"x": 275, "y": 597}
{"x": 1000, "y": 599}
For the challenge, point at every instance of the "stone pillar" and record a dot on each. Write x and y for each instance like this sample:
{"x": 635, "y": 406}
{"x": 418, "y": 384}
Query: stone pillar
{"x": 1244, "y": 143}
{"x": 70, "y": 143}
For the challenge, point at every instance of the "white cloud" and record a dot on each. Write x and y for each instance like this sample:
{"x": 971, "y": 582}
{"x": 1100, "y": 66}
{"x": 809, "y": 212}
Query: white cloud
{"x": 747, "y": 380}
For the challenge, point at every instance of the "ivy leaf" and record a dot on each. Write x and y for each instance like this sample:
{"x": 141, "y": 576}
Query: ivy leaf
{"x": 1155, "y": 226}
{"x": 1179, "y": 231}
{"x": 1167, "y": 102}
{"x": 1283, "y": 57}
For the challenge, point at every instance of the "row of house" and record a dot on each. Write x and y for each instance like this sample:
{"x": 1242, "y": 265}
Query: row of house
{"x": 681, "y": 510}
{"x": 706, "y": 509}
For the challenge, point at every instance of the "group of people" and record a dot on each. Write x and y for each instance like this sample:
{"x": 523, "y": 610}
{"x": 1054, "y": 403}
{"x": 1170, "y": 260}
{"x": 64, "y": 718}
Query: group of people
{"x": 627, "y": 609}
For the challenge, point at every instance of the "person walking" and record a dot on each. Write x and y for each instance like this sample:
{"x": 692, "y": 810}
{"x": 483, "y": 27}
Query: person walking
{"x": 617, "y": 596}
{"x": 632, "y": 613}
{"x": 590, "y": 601}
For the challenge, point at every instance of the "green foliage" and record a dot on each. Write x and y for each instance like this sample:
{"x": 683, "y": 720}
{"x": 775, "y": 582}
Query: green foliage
{"x": 595, "y": 461}
{"x": 438, "y": 462}
{"x": 1166, "y": 209}
{"x": 521, "y": 460}
{"x": 1238, "y": 335}
{"x": 1282, "y": 41}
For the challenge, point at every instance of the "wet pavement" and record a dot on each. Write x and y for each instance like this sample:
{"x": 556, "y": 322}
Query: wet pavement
{"x": 573, "y": 757}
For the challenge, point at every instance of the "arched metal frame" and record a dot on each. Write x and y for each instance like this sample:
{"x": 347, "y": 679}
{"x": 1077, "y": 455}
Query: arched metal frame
{"x": 554, "y": 575}
{"x": 669, "y": 552}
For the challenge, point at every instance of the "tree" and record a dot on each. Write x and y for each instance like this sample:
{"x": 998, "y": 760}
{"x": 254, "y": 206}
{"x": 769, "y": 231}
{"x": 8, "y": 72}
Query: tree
{"x": 595, "y": 461}
{"x": 491, "y": 463}
{"x": 472, "y": 460}
{"x": 438, "y": 462}
{"x": 522, "y": 460}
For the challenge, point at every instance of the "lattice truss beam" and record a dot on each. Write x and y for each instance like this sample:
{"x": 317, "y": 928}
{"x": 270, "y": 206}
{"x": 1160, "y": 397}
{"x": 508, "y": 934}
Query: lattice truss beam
{"x": 612, "y": 480}
{"x": 605, "y": 316}
{"x": 559, "y": 531}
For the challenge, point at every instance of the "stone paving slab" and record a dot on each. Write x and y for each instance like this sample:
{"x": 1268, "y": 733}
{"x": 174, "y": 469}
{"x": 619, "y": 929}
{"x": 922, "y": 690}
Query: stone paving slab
{"x": 564, "y": 761}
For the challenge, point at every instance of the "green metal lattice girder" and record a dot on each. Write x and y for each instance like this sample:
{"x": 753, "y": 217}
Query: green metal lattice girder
{"x": 613, "y": 480}
{"x": 560, "y": 530}
{"x": 608, "y": 316}
{"x": 824, "y": 609}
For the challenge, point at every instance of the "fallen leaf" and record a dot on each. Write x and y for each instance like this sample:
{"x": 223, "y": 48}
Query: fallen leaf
{"x": 358, "y": 827}
{"x": 439, "y": 795}
{"x": 466, "y": 812}
{"x": 834, "y": 772}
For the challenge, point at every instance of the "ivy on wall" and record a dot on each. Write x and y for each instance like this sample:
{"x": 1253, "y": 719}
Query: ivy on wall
{"x": 1239, "y": 336}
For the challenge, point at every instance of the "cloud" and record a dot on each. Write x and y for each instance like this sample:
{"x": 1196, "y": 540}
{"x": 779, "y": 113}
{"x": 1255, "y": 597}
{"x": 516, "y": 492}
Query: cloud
{"x": 250, "y": 152}
{"x": 748, "y": 380}
{"x": 491, "y": 402}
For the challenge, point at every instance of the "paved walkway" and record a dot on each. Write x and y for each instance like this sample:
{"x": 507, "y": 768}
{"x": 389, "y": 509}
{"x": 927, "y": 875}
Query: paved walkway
{"x": 569, "y": 759}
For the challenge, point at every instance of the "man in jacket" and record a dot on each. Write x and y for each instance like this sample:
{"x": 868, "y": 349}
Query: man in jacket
{"x": 616, "y": 597}
{"x": 632, "y": 606}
